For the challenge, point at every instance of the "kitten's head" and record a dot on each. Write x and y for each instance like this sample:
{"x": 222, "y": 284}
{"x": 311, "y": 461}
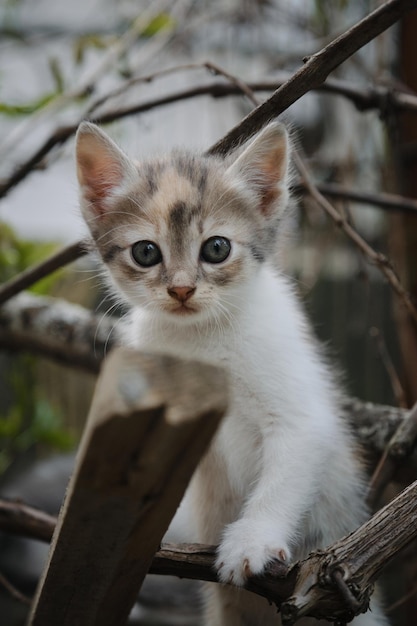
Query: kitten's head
{"x": 185, "y": 235}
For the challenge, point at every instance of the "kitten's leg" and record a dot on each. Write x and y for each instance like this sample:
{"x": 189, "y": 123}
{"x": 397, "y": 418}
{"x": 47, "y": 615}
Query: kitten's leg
{"x": 270, "y": 516}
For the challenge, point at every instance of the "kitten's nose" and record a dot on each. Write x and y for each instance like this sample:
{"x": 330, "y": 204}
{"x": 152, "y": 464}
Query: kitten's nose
{"x": 182, "y": 294}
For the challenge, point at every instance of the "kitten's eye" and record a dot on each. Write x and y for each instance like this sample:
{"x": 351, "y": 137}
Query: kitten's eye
{"x": 215, "y": 249}
{"x": 146, "y": 253}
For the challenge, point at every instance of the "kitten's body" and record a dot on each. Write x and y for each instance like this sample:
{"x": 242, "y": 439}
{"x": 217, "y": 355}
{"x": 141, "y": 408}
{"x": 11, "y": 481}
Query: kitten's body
{"x": 281, "y": 476}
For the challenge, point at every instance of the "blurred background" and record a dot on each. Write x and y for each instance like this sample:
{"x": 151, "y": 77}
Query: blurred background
{"x": 141, "y": 64}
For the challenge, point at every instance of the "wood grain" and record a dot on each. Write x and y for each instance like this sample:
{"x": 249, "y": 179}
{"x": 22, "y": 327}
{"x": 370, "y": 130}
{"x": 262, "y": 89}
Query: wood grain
{"x": 150, "y": 422}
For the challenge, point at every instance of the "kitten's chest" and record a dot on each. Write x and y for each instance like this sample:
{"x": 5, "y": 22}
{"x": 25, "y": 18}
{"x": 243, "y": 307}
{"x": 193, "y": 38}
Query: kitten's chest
{"x": 240, "y": 437}
{"x": 244, "y": 360}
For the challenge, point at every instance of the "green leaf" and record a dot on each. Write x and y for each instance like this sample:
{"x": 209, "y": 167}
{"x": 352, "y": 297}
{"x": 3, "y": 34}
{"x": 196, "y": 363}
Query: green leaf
{"x": 57, "y": 74}
{"x": 89, "y": 41}
{"x": 14, "y": 110}
{"x": 160, "y": 22}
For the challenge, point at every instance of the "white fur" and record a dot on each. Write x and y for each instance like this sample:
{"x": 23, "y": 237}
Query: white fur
{"x": 281, "y": 476}
{"x": 281, "y": 471}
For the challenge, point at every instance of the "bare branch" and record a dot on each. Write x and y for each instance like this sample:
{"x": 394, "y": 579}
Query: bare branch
{"x": 364, "y": 99}
{"x": 353, "y": 564}
{"x": 311, "y": 587}
{"x": 375, "y": 258}
{"x": 112, "y": 54}
{"x": 44, "y": 268}
{"x": 27, "y": 521}
{"x": 311, "y": 76}
{"x": 65, "y": 332}
{"x": 388, "y": 201}
{"x": 374, "y": 424}
{"x": 400, "y": 447}
{"x": 77, "y": 337}
{"x": 397, "y": 388}
{"x": 315, "y": 71}
{"x": 71, "y": 253}
{"x": 15, "y": 593}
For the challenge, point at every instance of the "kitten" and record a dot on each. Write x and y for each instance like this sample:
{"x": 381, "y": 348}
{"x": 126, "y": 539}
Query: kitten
{"x": 189, "y": 243}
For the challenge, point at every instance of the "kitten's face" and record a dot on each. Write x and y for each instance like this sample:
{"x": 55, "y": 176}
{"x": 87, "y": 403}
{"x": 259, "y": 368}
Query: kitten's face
{"x": 182, "y": 237}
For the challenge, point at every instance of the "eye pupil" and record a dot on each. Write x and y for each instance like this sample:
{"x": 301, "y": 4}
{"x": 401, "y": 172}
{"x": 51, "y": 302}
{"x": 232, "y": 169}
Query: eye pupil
{"x": 215, "y": 249}
{"x": 146, "y": 253}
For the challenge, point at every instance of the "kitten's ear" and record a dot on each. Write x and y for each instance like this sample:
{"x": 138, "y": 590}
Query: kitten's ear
{"x": 264, "y": 165}
{"x": 103, "y": 170}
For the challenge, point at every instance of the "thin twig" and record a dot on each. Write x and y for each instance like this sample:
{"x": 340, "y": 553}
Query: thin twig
{"x": 71, "y": 253}
{"x": 114, "y": 52}
{"x": 18, "y": 518}
{"x": 217, "y": 90}
{"x": 364, "y": 99}
{"x": 401, "y": 600}
{"x": 315, "y": 71}
{"x": 399, "y": 448}
{"x": 15, "y": 593}
{"x": 387, "y": 201}
{"x": 396, "y": 385}
{"x": 44, "y": 268}
{"x": 355, "y": 37}
{"x": 375, "y": 258}
{"x": 340, "y": 220}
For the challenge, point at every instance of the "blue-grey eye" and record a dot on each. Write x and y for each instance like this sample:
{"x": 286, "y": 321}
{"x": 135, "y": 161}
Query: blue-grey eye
{"x": 146, "y": 253}
{"x": 215, "y": 250}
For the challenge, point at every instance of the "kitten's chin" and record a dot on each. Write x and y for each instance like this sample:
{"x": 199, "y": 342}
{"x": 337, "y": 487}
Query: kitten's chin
{"x": 183, "y": 314}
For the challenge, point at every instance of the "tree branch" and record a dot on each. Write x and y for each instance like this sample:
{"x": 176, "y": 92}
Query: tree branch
{"x": 356, "y": 561}
{"x": 334, "y": 584}
{"x": 311, "y": 76}
{"x": 15, "y": 593}
{"x": 375, "y": 258}
{"x": 74, "y": 336}
{"x": 391, "y": 202}
{"x": 65, "y": 332}
{"x": 387, "y": 201}
{"x": 18, "y": 518}
{"x": 44, "y": 268}
{"x": 399, "y": 447}
{"x": 315, "y": 71}
{"x": 110, "y": 57}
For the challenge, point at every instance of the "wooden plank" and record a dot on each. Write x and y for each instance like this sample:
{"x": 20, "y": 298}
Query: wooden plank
{"x": 150, "y": 421}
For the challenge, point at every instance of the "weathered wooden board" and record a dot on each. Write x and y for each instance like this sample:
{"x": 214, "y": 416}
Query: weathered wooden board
{"x": 150, "y": 421}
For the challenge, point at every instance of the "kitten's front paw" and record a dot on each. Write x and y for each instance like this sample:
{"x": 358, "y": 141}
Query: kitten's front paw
{"x": 246, "y": 549}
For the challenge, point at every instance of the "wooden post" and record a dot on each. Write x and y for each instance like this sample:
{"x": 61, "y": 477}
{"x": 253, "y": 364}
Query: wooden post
{"x": 150, "y": 422}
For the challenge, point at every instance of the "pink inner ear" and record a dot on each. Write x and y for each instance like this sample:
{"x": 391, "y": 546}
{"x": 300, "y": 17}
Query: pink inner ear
{"x": 273, "y": 172}
{"x": 99, "y": 178}
{"x": 99, "y": 173}
{"x": 270, "y": 195}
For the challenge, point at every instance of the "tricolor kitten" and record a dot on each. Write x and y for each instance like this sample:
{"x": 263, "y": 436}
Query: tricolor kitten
{"x": 189, "y": 242}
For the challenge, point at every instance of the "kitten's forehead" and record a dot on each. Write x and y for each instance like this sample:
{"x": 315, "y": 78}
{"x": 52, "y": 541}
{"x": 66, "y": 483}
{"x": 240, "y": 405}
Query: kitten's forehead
{"x": 172, "y": 190}
{"x": 186, "y": 189}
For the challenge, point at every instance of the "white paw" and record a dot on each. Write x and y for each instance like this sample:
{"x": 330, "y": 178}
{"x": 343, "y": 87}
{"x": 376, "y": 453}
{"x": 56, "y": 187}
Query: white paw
{"x": 245, "y": 550}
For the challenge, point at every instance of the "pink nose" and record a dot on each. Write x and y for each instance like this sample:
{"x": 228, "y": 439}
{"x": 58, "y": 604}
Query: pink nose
{"x": 182, "y": 294}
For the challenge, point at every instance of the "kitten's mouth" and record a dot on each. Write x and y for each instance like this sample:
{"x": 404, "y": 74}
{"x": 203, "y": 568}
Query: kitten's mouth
{"x": 183, "y": 309}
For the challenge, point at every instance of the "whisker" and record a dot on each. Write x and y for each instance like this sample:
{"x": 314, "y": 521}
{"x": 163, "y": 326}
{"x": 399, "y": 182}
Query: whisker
{"x": 105, "y": 316}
